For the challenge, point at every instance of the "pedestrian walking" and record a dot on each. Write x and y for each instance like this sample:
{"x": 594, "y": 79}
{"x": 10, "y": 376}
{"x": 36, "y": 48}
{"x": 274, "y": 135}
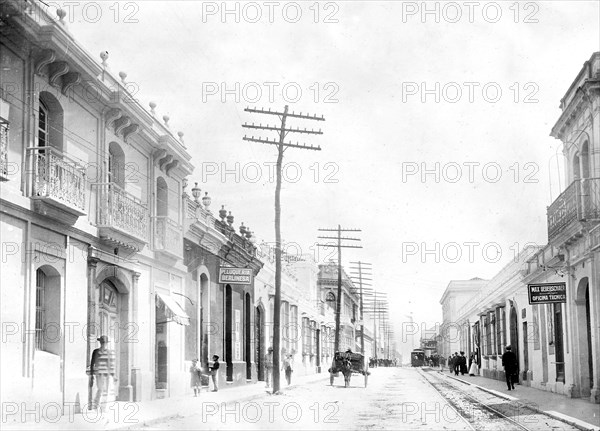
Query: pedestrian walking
{"x": 269, "y": 367}
{"x": 456, "y": 362}
{"x": 288, "y": 368}
{"x": 511, "y": 367}
{"x": 102, "y": 369}
{"x": 462, "y": 364}
{"x": 214, "y": 372}
{"x": 195, "y": 377}
{"x": 473, "y": 368}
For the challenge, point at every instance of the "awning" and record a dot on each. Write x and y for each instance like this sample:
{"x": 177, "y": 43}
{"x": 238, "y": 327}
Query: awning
{"x": 173, "y": 310}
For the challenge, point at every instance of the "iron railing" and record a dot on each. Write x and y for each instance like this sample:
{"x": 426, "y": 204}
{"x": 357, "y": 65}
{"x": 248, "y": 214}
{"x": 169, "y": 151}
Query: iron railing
{"x": 118, "y": 209}
{"x": 57, "y": 177}
{"x": 580, "y": 201}
{"x": 168, "y": 236}
{"x": 3, "y": 150}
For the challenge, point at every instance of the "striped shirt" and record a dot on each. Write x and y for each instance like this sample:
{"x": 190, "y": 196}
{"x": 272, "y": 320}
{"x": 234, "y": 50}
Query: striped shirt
{"x": 103, "y": 362}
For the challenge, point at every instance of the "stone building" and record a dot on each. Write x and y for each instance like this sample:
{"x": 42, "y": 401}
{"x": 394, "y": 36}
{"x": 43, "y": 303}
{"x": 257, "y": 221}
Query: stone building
{"x": 557, "y": 343}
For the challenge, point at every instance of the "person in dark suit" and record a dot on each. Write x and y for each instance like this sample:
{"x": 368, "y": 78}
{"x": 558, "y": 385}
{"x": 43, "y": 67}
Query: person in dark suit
{"x": 511, "y": 367}
{"x": 462, "y": 363}
{"x": 214, "y": 372}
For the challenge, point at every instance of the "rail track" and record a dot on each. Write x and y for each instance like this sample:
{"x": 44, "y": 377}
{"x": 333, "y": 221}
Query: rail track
{"x": 485, "y": 411}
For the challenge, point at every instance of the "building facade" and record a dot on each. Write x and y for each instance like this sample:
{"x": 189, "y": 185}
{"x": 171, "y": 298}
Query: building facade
{"x": 557, "y": 344}
{"x": 91, "y": 222}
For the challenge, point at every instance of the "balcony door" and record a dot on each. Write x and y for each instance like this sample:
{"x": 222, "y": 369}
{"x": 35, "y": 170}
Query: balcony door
{"x": 162, "y": 197}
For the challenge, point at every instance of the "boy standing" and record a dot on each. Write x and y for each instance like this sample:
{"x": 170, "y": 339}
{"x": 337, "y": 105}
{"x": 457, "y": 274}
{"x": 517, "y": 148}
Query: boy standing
{"x": 214, "y": 371}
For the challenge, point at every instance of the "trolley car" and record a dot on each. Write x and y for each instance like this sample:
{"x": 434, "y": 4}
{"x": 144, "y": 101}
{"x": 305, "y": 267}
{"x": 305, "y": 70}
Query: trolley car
{"x": 417, "y": 358}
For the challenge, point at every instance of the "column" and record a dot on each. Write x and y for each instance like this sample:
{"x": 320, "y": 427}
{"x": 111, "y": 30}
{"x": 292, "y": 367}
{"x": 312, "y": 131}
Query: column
{"x": 91, "y": 316}
{"x": 136, "y": 379}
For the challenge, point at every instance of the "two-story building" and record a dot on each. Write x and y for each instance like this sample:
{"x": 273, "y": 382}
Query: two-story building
{"x": 568, "y": 348}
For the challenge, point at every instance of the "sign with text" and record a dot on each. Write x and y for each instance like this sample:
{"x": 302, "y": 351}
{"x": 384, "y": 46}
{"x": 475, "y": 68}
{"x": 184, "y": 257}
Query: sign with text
{"x": 547, "y": 293}
{"x": 235, "y": 276}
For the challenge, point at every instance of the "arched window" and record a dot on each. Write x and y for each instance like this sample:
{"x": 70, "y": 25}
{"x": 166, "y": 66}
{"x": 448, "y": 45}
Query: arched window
{"x": 162, "y": 197}
{"x": 50, "y": 121}
{"x": 116, "y": 165}
{"x": 576, "y": 168}
{"x": 585, "y": 160}
{"x": 43, "y": 126}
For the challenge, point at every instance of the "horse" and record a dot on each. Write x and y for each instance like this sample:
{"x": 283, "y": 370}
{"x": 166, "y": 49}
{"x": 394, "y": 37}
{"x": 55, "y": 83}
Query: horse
{"x": 346, "y": 369}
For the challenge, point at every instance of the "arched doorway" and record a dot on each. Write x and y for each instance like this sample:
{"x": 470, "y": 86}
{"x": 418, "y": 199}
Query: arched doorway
{"x": 514, "y": 335}
{"x": 584, "y": 327}
{"x": 260, "y": 345}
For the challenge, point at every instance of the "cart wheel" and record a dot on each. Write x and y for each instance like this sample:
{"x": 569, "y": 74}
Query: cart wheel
{"x": 366, "y": 379}
{"x": 331, "y": 379}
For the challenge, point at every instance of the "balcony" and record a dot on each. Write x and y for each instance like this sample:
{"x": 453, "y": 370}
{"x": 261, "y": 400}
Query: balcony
{"x": 3, "y": 149}
{"x": 122, "y": 219}
{"x": 580, "y": 202}
{"x": 168, "y": 237}
{"x": 57, "y": 184}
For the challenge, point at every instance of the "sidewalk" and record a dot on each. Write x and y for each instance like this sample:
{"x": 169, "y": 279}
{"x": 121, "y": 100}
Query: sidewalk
{"x": 124, "y": 415}
{"x": 576, "y": 411}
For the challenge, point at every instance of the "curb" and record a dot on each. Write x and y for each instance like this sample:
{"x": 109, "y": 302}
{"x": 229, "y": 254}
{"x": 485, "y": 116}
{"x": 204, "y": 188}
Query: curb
{"x": 172, "y": 416}
{"x": 577, "y": 423}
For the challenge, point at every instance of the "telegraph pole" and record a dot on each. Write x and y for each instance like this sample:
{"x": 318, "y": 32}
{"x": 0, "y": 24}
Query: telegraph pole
{"x": 339, "y": 239}
{"x": 377, "y": 308}
{"x": 362, "y": 267}
{"x": 281, "y": 147}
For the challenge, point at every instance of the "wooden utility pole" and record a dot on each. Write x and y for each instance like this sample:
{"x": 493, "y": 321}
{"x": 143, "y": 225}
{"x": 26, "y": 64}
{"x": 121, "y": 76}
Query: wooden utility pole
{"x": 281, "y": 146}
{"x": 377, "y": 307}
{"x": 363, "y": 269}
{"x": 338, "y": 300}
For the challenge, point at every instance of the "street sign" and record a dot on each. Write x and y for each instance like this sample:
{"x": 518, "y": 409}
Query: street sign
{"x": 547, "y": 293}
{"x": 235, "y": 275}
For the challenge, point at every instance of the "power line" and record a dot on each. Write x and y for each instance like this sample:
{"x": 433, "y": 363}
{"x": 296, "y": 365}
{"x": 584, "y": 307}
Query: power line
{"x": 282, "y": 132}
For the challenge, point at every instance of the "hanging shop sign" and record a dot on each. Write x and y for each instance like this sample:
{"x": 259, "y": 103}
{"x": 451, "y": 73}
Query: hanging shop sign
{"x": 235, "y": 275}
{"x": 547, "y": 293}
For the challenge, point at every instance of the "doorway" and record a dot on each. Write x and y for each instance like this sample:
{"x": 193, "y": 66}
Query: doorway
{"x": 248, "y": 336}
{"x": 161, "y": 361}
{"x": 259, "y": 346}
{"x": 228, "y": 332}
{"x": 514, "y": 335}
{"x": 558, "y": 337}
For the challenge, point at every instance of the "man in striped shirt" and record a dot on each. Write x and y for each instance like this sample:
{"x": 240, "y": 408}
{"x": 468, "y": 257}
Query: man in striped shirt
{"x": 102, "y": 366}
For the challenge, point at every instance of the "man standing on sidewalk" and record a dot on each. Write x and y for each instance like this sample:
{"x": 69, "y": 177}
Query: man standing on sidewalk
{"x": 102, "y": 366}
{"x": 269, "y": 366}
{"x": 509, "y": 362}
{"x": 214, "y": 372}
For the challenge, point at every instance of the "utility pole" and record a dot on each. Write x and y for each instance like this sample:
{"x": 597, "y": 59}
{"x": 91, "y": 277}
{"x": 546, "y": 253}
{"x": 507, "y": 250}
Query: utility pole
{"x": 339, "y": 239}
{"x": 363, "y": 267}
{"x": 377, "y": 307}
{"x": 281, "y": 147}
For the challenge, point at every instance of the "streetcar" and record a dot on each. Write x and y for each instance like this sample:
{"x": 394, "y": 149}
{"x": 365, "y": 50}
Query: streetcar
{"x": 417, "y": 358}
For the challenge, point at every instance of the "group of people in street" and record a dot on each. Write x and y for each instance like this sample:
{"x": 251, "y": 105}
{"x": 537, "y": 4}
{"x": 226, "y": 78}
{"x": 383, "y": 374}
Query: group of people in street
{"x": 457, "y": 363}
{"x": 287, "y": 366}
{"x": 381, "y": 362}
{"x": 199, "y": 379}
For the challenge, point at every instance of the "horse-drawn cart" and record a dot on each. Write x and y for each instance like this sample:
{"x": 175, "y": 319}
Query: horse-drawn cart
{"x": 348, "y": 363}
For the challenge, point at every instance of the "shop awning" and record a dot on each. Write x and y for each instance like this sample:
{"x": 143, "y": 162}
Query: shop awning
{"x": 173, "y": 310}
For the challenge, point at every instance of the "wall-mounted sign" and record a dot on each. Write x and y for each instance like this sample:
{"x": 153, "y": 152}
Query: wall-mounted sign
{"x": 547, "y": 293}
{"x": 235, "y": 275}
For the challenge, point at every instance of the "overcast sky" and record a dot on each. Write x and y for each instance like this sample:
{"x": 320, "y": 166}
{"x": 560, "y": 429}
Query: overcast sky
{"x": 364, "y": 66}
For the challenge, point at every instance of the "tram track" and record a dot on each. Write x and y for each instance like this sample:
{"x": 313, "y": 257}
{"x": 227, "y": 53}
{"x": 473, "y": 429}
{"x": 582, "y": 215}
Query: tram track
{"x": 484, "y": 411}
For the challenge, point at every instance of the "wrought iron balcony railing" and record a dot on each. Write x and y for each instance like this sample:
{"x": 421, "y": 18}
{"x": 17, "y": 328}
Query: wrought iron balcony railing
{"x": 57, "y": 179}
{"x": 168, "y": 236}
{"x": 579, "y": 202}
{"x": 120, "y": 210}
{"x": 3, "y": 150}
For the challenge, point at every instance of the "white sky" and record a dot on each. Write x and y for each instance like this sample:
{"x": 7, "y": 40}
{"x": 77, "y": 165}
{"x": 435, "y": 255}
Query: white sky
{"x": 171, "y": 54}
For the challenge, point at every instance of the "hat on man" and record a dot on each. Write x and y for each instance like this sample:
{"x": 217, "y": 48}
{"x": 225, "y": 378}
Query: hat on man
{"x": 103, "y": 339}
{"x": 270, "y": 349}
{"x": 508, "y": 347}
